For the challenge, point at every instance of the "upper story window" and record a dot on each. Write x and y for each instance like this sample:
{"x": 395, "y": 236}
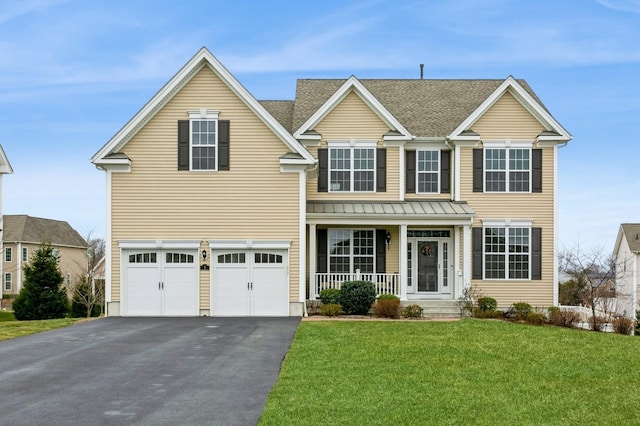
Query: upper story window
{"x": 203, "y": 142}
{"x": 507, "y": 169}
{"x": 428, "y": 171}
{"x": 203, "y": 139}
{"x": 25, "y": 254}
{"x": 352, "y": 167}
{"x": 7, "y": 254}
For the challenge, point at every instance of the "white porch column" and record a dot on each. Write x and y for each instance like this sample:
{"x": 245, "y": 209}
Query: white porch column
{"x": 457, "y": 278}
{"x": 312, "y": 262}
{"x": 403, "y": 262}
{"x": 466, "y": 257}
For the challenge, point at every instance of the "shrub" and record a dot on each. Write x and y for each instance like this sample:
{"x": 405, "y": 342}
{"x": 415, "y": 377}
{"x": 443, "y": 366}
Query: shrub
{"x": 313, "y": 307}
{"x": 487, "y": 304}
{"x": 597, "y": 323}
{"x": 387, "y": 306}
{"x": 521, "y": 310}
{"x": 331, "y": 310}
{"x": 412, "y": 311}
{"x": 623, "y": 325}
{"x": 84, "y": 301}
{"x": 536, "y": 317}
{"x": 356, "y": 297}
{"x": 562, "y": 318}
{"x": 492, "y": 313}
{"x": 330, "y": 296}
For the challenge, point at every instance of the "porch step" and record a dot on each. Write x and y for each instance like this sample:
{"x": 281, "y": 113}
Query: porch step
{"x": 436, "y": 308}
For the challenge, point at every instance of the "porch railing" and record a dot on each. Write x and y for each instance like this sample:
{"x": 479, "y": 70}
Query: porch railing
{"x": 385, "y": 283}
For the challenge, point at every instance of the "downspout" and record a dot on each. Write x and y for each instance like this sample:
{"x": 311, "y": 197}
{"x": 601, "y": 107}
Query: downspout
{"x": 452, "y": 176}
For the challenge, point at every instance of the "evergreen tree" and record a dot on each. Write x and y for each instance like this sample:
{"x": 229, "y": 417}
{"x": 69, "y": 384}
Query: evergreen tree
{"x": 42, "y": 295}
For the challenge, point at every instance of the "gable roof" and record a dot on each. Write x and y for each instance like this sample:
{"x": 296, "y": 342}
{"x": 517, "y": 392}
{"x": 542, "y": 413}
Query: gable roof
{"x": 426, "y": 108}
{"x": 26, "y": 229}
{"x": 352, "y": 84}
{"x": 5, "y": 166}
{"x": 631, "y": 232}
{"x": 201, "y": 59}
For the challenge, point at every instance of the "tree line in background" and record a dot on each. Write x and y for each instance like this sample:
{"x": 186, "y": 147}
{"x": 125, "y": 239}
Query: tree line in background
{"x": 43, "y": 295}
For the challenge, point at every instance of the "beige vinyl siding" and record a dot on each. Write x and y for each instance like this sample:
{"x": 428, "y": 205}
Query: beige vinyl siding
{"x": 507, "y": 119}
{"x": 251, "y": 201}
{"x": 353, "y": 119}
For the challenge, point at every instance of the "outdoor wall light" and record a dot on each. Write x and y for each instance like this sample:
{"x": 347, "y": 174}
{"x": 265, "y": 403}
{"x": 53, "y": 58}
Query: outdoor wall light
{"x": 387, "y": 238}
{"x": 204, "y": 254}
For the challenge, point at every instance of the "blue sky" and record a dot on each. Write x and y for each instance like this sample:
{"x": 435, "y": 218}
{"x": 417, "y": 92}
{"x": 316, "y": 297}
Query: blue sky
{"x": 73, "y": 72}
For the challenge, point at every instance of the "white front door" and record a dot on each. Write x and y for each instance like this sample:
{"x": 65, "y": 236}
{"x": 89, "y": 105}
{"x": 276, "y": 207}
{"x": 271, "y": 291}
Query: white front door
{"x": 429, "y": 266}
{"x": 250, "y": 283}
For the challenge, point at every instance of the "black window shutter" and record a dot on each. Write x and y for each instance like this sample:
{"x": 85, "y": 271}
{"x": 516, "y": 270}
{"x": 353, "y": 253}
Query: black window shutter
{"x": 223, "y": 144}
{"x": 183, "y": 144}
{"x": 410, "y": 171}
{"x": 536, "y": 170}
{"x": 321, "y": 239}
{"x": 478, "y": 170}
{"x": 323, "y": 170}
{"x": 445, "y": 172}
{"x": 476, "y": 244}
{"x": 536, "y": 253}
{"x": 381, "y": 251}
{"x": 381, "y": 170}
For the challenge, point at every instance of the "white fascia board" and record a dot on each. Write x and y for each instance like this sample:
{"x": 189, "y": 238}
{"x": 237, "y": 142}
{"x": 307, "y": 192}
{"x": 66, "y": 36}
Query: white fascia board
{"x": 396, "y": 139}
{"x": 616, "y": 246}
{"x": 506, "y": 223}
{"x": 352, "y": 83}
{"x": 293, "y": 167}
{"x": 5, "y": 165}
{"x": 195, "y": 64}
{"x": 310, "y": 142}
{"x": 510, "y": 84}
{"x": 249, "y": 244}
{"x": 115, "y": 166}
{"x": 160, "y": 244}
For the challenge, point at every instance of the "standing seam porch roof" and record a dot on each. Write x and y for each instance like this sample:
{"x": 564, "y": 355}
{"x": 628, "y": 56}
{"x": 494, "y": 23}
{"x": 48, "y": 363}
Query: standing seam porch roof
{"x": 417, "y": 209}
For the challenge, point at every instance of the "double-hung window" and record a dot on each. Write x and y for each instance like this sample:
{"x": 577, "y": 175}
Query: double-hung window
{"x": 507, "y": 169}
{"x": 7, "y": 254}
{"x": 507, "y": 252}
{"x": 428, "y": 171}
{"x": 203, "y": 139}
{"x": 7, "y": 281}
{"x": 352, "y": 167}
{"x": 350, "y": 250}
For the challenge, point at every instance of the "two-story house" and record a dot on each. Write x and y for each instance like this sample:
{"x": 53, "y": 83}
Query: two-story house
{"x": 219, "y": 204}
{"x": 24, "y": 234}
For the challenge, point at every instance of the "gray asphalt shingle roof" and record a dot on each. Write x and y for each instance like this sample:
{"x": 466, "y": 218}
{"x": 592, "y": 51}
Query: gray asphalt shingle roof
{"x": 427, "y": 108}
{"x": 632, "y": 234}
{"x": 27, "y": 229}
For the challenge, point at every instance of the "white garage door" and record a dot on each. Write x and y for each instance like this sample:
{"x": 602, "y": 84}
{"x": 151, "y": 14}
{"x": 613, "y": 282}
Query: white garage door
{"x": 250, "y": 283}
{"x": 160, "y": 283}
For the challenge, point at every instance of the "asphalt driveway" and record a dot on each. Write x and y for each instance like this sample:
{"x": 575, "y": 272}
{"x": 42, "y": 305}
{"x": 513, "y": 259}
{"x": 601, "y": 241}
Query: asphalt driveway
{"x": 144, "y": 371}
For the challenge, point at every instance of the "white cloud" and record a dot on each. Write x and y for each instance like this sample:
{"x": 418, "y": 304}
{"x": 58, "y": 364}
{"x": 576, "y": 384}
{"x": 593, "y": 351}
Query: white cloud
{"x": 632, "y": 6}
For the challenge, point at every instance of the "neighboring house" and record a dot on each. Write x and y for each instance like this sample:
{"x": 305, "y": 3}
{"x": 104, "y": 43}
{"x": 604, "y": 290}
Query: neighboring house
{"x": 626, "y": 253}
{"x": 23, "y": 235}
{"x": 219, "y": 204}
{"x": 5, "y": 168}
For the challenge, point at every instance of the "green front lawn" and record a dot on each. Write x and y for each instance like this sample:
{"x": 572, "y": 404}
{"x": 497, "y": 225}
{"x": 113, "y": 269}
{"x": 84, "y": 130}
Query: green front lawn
{"x": 465, "y": 372}
{"x": 10, "y": 328}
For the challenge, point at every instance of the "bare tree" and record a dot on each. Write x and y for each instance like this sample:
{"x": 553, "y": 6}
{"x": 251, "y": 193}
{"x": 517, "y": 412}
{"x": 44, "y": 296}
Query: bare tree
{"x": 595, "y": 272}
{"x": 87, "y": 289}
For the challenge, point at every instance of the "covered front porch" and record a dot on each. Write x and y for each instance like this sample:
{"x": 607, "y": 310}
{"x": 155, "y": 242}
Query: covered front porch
{"x": 417, "y": 250}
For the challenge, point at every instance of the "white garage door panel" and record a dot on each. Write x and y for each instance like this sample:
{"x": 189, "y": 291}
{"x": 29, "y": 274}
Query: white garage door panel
{"x": 231, "y": 297}
{"x": 270, "y": 291}
{"x": 180, "y": 290}
{"x": 249, "y": 282}
{"x": 142, "y": 295}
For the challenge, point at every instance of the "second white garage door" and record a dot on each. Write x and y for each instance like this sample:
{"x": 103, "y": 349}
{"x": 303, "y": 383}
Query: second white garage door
{"x": 250, "y": 283}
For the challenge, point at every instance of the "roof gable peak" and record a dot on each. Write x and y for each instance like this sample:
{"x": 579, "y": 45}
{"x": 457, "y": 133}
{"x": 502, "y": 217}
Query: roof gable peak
{"x": 352, "y": 84}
